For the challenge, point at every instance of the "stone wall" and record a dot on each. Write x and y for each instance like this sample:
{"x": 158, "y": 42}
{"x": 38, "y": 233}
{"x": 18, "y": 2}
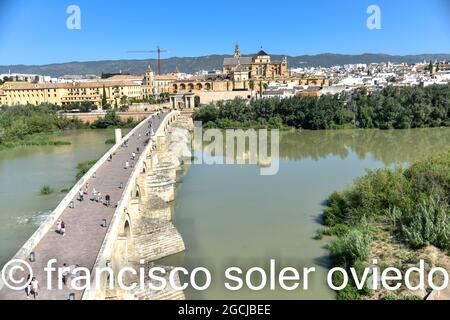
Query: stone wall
{"x": 207, "y": 97}
{"x": 124, "y": 116}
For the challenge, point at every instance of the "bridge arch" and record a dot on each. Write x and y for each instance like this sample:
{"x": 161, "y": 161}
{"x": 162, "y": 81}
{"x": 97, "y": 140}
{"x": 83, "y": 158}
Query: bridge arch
{"x": 136, "y": 192}
{"x": 126, "y": 231}
{"x": 144, "y": 167}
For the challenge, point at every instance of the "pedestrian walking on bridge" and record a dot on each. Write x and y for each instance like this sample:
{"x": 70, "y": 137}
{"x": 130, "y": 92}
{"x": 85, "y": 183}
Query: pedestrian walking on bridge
{"x": 107, "y": 200}
{"x": 34, "y": 287}
{"x": 94, "y": 194}
{"x": 63, "y": 229}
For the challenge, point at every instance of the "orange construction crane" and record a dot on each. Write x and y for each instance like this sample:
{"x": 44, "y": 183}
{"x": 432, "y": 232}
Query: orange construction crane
{"x": 158, "y": 50}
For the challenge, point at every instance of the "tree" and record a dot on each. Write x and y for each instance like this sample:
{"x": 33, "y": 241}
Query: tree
{"x": 430, "y": 67}
{"x": 124, "y": 100}
{"x": 104, "y": 101}
{"x": 392, "y": 108}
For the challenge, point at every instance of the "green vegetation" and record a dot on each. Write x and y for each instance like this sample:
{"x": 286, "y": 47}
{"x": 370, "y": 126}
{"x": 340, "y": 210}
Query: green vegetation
{"x": 104, "y": 101}
{"x": 162, "y": 98}
{"x": 46, "y": 190}
{"x": 30, "y": 125}
{"x": 392, "y": 108}
{"x": 8, "y": 79}
{"x": 37, "y": 125}
{"x": 110, "y": 141}
{"x": 111, "y": 120}
{"x": 412, "y": 206}
{"x": 84, "y": 167}
{"x": 85, "y": 107}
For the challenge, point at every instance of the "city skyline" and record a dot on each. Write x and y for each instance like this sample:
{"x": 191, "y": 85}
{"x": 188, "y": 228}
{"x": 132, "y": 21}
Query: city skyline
{"x": 294, "y": 28}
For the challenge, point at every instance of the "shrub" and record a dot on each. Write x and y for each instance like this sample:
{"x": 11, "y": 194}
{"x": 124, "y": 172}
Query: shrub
{"x": 336, "y": 211}
{"x": 428, "y": 224}
{"x": 349, "y": 293}
{"x": 412, "y": 297}
{"x": 352, "y": 247}
{"x": 389, "y": 296}
{"x": 46, "y": 190}
{"x": 110, "y": 141}
{"x": 338, "y": 230}
{"x": 319, "y": 235}
{"x": 84, "y": 167}
{"x": 431, "y": 176}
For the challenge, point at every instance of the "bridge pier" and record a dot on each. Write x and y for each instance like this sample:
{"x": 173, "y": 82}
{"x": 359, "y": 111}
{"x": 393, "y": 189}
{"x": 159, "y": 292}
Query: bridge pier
{"x": 162, "y": 186}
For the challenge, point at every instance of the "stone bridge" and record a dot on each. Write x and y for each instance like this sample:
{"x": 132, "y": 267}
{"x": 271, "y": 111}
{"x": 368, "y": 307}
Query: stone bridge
{"x": 136, "y": 226}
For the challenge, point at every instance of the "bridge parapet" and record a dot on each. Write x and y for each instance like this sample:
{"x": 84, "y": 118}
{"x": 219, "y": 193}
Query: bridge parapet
{"x": 123, "y": 227}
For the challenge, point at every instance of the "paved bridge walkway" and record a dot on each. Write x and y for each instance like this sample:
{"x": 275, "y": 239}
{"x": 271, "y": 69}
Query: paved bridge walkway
{"x": 84, "y": 233}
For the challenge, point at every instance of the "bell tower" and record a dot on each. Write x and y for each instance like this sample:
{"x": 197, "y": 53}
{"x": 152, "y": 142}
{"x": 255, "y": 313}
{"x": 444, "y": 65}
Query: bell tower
{"x": 237, "y": 51}
{"x": 149, "y": 75}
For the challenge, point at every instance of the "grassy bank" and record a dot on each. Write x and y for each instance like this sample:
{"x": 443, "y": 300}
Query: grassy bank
{"x": 82, "y": 169}
{"x": 40, "y": 125}
{"x": 397, "y": 216}
{"x": 392, "y": 108}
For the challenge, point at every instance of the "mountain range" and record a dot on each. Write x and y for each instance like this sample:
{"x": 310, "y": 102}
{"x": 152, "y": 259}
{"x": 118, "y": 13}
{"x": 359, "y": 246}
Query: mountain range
{"x": 210, "y": 62}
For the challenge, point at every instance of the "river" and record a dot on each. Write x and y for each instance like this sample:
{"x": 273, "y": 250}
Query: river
{"x": 232, "y": 216}
{"x": 228, "y": 215}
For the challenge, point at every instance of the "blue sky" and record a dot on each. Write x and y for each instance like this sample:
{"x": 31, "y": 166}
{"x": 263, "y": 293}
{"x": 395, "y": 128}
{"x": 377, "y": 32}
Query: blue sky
{"x": 34, "y": 31}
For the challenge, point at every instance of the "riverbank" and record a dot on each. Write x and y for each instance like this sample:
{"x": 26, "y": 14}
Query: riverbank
{"x": 392, "y": 108}
{"x": 40, "y": 125}
{"x": 395, "y": 217}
